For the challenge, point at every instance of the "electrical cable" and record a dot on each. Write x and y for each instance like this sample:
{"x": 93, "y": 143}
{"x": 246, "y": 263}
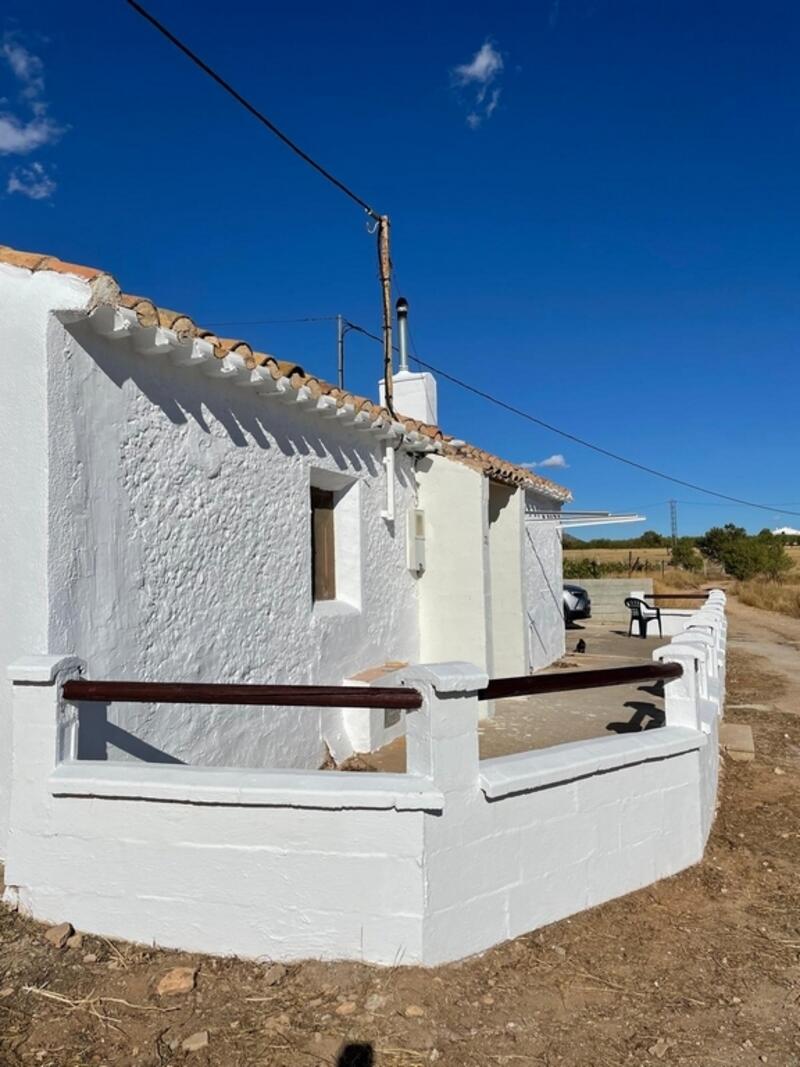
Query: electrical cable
{"x": 261, "y": 117}
{"x": 598, "y": 448}
{"x": 570, "y": 436}
{"x": 574, "y": 437}
{"x": 245, "y": 103}
{"x": 274, "y": 322}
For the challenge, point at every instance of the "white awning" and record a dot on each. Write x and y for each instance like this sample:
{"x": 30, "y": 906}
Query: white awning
{"x": 567, "y": 519}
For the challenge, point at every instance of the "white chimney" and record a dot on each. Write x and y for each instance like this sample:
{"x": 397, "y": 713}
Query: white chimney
{"x": 414, "y": 391}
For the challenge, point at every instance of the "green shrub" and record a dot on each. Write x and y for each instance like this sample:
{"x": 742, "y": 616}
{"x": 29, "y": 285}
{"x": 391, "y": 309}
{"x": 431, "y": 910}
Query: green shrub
{"x": 744, "y": 556}
{"x": 685, "y": 557}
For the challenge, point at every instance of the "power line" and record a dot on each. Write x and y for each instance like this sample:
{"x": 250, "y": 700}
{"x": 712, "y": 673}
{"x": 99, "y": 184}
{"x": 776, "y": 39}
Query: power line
{"x": 274, "y": 322}
{"x": 366, "y": 333}
{"x": 598, "y": 448}
{"x": 254, "y": 111}
{"x": 570, "y": 436}
{"x": 262, "y": 118}
{"x": 574, "y": 438}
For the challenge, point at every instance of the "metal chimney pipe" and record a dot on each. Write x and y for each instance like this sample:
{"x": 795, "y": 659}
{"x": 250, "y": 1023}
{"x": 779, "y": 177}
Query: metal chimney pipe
{"x": 402, "y": 332}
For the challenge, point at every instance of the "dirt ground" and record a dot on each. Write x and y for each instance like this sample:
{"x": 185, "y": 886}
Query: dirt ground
{"x": 702, "y": 969}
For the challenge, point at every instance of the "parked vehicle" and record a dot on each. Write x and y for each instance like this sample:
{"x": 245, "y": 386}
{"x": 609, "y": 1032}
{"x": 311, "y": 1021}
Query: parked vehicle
{"x": 577, "y": 603}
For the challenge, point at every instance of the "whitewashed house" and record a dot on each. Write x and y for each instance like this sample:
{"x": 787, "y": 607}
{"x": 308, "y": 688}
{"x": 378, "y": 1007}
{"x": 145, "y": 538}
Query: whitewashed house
{"x": 179, "y": 507}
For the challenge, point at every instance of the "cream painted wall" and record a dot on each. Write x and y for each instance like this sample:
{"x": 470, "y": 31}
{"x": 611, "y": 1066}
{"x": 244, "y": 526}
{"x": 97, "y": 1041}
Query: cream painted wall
{"x": 454, "y": 589}
{"x": 508, "y": 624}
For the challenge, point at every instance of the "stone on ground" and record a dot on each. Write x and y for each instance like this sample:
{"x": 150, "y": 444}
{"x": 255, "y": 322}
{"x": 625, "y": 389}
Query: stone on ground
{"x": 195, "y": 1042}
{"x": 274, "y": 974}
{"x": 59, "y": 935}
{"x": 178, "y": 980}
{"x": 736, "y": 740}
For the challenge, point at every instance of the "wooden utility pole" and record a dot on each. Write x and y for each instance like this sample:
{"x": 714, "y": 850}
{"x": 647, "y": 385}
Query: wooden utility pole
{"x": 340, "y": 351}
{"x": 385, "y": 269}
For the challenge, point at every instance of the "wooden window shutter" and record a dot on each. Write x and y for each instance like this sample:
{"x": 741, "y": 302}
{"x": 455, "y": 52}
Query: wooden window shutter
{"x": 323, "y": 545}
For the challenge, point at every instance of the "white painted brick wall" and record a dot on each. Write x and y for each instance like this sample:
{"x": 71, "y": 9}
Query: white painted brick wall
{"x": 505, "y": 847}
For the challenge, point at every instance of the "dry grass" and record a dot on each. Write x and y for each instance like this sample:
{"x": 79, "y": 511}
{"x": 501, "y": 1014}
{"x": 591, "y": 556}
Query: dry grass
{"x": 618, "y": 555}
{"x": 675, "y": 581}
{"x": 781, "y": 597}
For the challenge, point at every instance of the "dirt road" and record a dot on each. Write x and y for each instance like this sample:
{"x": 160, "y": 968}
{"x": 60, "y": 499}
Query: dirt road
{"x": 775, "y": 640}
{"x": 701, "y": 970}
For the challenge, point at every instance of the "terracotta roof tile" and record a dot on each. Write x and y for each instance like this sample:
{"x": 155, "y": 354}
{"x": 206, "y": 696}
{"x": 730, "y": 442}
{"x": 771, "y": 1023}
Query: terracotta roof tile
{"x": 105, "y": 290}
{"x": 37, "y": 261}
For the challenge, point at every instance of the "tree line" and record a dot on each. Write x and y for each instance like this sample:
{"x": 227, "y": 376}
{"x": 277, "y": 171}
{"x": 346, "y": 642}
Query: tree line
{"x": 739, "y": 554}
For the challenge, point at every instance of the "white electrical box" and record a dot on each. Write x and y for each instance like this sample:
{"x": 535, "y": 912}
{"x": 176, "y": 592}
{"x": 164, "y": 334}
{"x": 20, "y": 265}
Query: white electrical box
{"x": 415, "y": 540}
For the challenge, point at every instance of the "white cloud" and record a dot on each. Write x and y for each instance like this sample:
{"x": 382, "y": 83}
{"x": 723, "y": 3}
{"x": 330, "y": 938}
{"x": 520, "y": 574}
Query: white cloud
{"x": 477, "y": 79}
{"x": 19, "y": 138}
{"x": 33, "y": 182}
{"x": 486, "y": 64}
{"x": 27, "y": 68}
{"x": 556, "y": 460}
{"x": 23, "y": 133}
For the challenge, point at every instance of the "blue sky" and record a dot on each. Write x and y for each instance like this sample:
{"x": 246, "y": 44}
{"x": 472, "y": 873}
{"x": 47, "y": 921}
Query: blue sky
{"x": 594, "y": 208}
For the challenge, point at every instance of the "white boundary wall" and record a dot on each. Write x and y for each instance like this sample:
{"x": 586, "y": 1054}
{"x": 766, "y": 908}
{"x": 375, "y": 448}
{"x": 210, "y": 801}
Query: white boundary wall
{"x": 426, "y": 867}
{"x": 608, "y": 595}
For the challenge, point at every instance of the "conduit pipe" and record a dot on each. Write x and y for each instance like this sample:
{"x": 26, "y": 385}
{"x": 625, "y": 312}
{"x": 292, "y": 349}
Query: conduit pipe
{"x": 388, "y": 466}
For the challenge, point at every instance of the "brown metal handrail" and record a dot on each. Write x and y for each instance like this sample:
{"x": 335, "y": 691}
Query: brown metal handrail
{"x": 535, "y": 684}
{"x": 701, "y": 595}
{"x": 319, "y": 696}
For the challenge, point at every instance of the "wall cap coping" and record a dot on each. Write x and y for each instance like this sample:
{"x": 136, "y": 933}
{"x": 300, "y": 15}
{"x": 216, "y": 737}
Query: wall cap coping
{"x": 527, "y": 771}
{"x": 238, "y": 787}
{"x": 41, "y": 670}
{"x": 676, "y": 649}
{"x": 694, "y": 637}
{"x": 455, "y": 676}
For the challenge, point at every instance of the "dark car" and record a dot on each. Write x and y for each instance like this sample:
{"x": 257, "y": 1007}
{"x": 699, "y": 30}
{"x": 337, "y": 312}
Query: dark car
{"x": 577, "y": 603}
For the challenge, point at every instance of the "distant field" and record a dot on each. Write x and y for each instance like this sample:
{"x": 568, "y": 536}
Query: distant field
{"x": 649, "y": 555}
{"x": 621, "y": 555}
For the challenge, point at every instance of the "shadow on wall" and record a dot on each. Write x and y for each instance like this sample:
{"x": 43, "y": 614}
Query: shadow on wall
{"x": 558, "y": 600}
{"x": 187, "y": 395}
{"x": 96, "y": 733}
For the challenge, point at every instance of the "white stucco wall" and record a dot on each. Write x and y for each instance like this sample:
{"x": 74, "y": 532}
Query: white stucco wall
{"x": 543, "y": 584}
{"x": 180, "y": 549}
{"x": 156, "y": 519}
{"x": 25, "y": 299}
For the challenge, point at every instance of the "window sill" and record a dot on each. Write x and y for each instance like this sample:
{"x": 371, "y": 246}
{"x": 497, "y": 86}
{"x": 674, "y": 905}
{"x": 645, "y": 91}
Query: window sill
{"x": 324, "y": 609}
